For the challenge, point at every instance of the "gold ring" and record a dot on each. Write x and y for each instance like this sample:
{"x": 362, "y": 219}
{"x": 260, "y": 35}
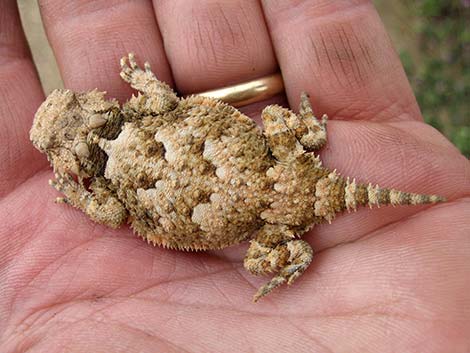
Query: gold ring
{"x": 248, "y": 92}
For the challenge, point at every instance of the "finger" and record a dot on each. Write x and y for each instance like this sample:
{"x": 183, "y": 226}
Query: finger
{"x": 214, "y": 43}
{"x": 20, "y": 95}
{"x": 408, "y": 156}
{"x": 339, "y": 52}
{"x": 89, "y": 37}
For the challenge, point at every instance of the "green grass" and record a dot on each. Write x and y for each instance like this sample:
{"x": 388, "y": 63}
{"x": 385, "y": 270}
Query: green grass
{"x": 436, "y": 62}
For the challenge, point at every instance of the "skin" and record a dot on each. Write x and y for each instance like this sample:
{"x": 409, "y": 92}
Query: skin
{"x": 395, "y": 277}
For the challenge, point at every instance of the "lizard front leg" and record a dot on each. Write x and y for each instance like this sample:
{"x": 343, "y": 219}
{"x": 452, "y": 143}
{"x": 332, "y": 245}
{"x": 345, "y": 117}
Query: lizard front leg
{"x": 156, "y": 98}
{"x": 100, "y": 204}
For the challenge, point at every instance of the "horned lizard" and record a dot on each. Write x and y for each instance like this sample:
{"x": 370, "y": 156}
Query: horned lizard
{"x": 196, "y": 174}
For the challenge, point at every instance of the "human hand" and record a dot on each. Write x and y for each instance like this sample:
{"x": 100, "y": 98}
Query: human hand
{"x": 389, "y": 279}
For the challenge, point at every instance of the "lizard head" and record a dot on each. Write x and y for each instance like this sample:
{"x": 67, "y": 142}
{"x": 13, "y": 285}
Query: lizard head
{"x": 63, "y": 125}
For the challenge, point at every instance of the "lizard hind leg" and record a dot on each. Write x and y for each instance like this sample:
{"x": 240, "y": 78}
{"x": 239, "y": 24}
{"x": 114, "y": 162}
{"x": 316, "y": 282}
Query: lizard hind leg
{"x": 315, "y": 137}
{"x": 275, "y": 250}
{"x": 282, "y": 141}
{"x": 288, "y": 133}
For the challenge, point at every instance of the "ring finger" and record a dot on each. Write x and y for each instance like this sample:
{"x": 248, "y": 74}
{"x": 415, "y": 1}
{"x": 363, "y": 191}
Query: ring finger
{"x": 223, "y": 43}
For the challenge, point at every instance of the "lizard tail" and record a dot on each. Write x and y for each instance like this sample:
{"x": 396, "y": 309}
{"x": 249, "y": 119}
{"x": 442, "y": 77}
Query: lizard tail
{"x": 334, "y": 194}
{"x": 368, "y": 195}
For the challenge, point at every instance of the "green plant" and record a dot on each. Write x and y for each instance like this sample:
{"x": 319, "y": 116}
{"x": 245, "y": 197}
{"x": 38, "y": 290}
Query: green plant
{"x": 440, "y": 76}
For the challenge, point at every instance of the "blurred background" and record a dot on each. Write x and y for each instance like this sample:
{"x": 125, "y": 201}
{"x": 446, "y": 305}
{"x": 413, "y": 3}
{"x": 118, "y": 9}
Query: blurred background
{"x": 431, "y": 37}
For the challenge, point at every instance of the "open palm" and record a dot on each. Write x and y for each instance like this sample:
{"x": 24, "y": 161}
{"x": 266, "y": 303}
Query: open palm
{"x": 383, "y": 280}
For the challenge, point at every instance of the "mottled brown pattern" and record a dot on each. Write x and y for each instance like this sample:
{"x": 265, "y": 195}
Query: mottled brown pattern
{"x": 197, "y": 174}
